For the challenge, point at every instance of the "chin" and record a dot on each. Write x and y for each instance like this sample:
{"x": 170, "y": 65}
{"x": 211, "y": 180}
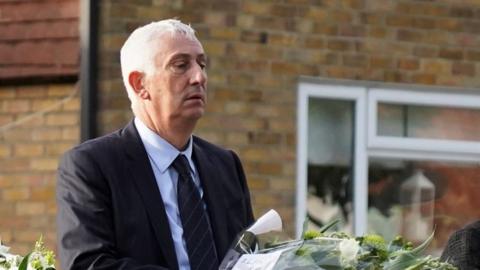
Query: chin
{"x": 195, "y": 115}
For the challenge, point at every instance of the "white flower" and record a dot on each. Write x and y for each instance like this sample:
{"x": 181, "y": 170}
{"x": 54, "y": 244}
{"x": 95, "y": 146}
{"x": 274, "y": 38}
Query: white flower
{"x": 37, "y": 259}
{"x": 348, "y": 251}
{"x": 11, "y": 262}
{"x": 3, "y": 249}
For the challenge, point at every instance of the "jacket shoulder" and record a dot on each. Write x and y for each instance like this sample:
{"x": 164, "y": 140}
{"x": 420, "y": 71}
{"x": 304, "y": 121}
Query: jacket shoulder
{"x": 211, "y": 148}
{"x": 102, "y": 145}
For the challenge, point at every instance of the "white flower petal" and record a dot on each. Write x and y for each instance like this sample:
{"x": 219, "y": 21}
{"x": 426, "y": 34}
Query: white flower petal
{"x": 348, "y": 250}
{"x": 4, "y": 249}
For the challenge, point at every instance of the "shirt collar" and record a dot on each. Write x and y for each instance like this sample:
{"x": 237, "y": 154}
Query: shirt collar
{"x": 161, "y": 151}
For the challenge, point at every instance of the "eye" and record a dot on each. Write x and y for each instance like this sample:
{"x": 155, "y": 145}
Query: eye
{"x": 180, "y": 66}
{"x": 202, "y": 62}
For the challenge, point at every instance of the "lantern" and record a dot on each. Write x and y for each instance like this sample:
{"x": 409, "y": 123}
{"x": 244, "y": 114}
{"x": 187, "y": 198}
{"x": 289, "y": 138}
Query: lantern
{"x": 417, "y": 197}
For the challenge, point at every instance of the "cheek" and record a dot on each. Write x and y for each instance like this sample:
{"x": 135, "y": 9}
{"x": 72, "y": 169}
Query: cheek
{"x": 173, "y": 91}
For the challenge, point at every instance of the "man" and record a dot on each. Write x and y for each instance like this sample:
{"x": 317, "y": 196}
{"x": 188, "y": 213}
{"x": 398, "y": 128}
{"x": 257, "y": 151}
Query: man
{"x": 463, "y": 247}
{"x": 124, "y": 199}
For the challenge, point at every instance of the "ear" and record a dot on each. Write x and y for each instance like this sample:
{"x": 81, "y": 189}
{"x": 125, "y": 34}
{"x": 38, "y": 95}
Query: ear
{"x": 136, "y": 80}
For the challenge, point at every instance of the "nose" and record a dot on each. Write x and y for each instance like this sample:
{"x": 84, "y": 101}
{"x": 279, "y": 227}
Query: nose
{"x": 198, "y": 76}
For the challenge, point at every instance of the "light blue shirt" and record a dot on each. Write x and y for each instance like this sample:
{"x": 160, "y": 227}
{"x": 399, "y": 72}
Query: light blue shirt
{"x": 161, "y": 155}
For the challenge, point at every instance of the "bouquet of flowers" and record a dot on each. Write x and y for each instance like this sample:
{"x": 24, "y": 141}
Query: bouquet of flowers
{"x": 39, "y": 259}
{"x": 321, "y": 250}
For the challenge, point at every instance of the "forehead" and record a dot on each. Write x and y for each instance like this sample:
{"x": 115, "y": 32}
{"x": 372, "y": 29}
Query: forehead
{"x": 168, "y": 45}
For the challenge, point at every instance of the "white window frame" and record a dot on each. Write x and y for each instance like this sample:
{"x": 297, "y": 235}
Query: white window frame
{"x": 367, "y": 142}
{"x": 420, "y": 148}
{"x": 337, "y": 92}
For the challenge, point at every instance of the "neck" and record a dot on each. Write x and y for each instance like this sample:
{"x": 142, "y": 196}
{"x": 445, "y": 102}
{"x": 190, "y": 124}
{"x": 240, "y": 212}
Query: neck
{"x": 177, "y": 134}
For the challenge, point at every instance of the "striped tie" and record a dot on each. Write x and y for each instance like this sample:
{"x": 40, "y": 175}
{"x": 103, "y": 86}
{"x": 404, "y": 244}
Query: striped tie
{"x": 196, "y": 229}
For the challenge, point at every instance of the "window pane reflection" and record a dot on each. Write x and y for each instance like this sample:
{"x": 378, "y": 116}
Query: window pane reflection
{"x": 413, "y": 197}
{"x": 330, "y": 147}
{"x": 428, "y": 122}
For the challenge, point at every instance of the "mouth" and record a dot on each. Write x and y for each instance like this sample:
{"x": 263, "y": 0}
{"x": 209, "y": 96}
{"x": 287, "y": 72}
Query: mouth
{"x": 196, "y": 96}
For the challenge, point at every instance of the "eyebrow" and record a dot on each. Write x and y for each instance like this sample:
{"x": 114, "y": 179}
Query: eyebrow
{"x": 186, "y": 55}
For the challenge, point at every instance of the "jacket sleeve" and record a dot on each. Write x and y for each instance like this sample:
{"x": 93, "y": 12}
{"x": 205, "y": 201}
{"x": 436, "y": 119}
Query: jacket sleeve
{"x": 85, "y": 230}
{"x": 249, "y": 218}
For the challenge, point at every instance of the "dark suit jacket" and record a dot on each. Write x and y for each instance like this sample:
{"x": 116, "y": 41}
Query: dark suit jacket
{"x": 463, "y": 247}
{"x": 111, "y": 214}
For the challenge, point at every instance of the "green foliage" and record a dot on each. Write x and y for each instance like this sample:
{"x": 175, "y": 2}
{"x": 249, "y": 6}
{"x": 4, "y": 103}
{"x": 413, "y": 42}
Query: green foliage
{"x": 39, "y": 259}
{"x": 329, "y": 225}
{"x": 340, "y": 235}
{"x": 302, "y": 251}
{"x": 311, "y": 234}
{"x": 324, "y": 250}
{"x": 375, "y": 247}
{"x": 24, "y": 264}
{"x": 399, "y": 243}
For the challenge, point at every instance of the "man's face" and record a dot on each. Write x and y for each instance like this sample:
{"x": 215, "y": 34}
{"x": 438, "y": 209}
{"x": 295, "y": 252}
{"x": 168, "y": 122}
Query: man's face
{"x": 179, "y": 83}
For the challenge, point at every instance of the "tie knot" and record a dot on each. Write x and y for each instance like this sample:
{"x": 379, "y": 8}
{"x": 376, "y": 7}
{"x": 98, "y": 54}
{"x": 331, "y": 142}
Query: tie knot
{"x": 180, "y": 164}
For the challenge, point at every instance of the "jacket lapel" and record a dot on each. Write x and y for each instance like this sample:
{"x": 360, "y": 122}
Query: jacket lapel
{"x": 147, "y": 187}
{"x": 211, "y": 184}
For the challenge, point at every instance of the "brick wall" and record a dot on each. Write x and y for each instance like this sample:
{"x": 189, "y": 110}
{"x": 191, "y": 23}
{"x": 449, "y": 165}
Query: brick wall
{"x": 38, "y": 121}
{"x": 258, "y": 50}
{"x": 37, "y": 124}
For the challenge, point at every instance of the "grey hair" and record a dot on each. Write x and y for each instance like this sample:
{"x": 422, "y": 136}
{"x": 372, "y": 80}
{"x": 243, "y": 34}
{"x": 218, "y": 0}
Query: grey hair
{"x": 138, "y": 52}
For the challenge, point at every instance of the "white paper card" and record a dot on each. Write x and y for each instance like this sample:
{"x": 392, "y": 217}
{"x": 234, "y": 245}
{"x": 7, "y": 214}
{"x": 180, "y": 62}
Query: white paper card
{"x": 257, "y": 261}
{"x": 270, "y": 221}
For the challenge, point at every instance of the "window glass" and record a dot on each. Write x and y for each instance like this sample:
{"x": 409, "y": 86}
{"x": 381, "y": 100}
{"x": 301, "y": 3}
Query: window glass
{"x": 428, "y": 122}
{"x": 410, "y": 190}
{"x": 330, "y": 142}
{"x": 411, "y": 198}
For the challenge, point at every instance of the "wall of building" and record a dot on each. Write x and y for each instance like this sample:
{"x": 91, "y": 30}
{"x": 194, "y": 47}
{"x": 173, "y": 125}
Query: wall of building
{"x": 37, "y": 125}
{"x": 258, "y": 49}
{"x": 39, "y": 39}
{"x": 39, "y": 113}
